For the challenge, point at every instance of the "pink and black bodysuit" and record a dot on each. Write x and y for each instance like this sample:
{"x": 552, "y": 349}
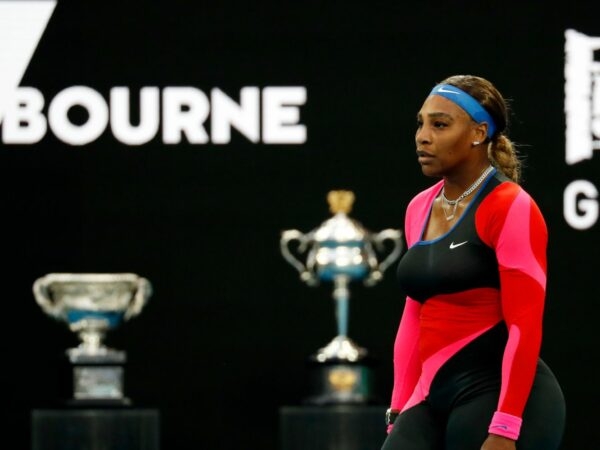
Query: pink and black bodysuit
{"x": 466, "y": 355}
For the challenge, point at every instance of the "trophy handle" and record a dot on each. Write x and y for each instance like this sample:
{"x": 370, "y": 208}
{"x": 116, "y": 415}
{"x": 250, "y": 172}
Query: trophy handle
{"x": 42, "y": 297}
{"x": 289, "y": 236}
{"x": 379, "y": 240}
{"x": 142, "y": 294}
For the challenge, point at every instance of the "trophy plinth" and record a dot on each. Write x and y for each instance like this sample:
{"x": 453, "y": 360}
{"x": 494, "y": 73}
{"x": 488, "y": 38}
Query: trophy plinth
{"x": 341, "y": 250}
{"x": 96, "y": 380}
{"x": 341, "y": 372}
{"x": 91, "y": 305}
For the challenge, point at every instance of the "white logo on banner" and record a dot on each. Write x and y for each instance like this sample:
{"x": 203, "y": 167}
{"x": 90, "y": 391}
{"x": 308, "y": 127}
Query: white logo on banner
{"x": 269, "y": 115}
{"x": 582, "y": 111}
{"x": 22, "y": 24}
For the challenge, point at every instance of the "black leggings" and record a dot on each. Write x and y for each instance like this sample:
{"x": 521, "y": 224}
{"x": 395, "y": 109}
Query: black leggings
{"x": 465, "y": 426}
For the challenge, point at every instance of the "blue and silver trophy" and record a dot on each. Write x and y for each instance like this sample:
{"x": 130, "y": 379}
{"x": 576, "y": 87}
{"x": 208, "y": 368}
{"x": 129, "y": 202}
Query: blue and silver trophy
{"x": 92, "y": 304}
{"x": 340, "y": 251}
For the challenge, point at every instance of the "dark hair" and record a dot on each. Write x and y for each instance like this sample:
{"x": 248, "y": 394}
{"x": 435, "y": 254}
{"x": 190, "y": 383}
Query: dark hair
{"x": 501, "y": 150}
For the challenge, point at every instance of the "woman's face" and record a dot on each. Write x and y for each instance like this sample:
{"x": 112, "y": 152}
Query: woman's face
{"x": 444, "y": 136}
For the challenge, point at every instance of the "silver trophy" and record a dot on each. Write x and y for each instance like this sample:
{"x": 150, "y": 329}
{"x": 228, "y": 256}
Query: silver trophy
{"x": 340, "y": 251}
{"x": 92, "y": 304}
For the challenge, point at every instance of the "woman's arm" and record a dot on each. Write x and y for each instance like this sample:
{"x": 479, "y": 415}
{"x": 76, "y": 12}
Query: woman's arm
{"x": 515, "y": 228}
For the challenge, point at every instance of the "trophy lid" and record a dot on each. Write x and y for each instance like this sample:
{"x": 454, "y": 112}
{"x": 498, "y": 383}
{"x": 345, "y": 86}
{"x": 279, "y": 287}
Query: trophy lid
{"x": 340, "y": 228}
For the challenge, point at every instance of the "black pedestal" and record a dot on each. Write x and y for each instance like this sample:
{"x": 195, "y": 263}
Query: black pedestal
{"x": 346, "y": 427}
{"x": 95, "y": 429}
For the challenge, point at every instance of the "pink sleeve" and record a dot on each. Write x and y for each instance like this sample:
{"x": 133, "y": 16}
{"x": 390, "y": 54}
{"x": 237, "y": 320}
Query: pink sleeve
{"x": 407, "y": 367}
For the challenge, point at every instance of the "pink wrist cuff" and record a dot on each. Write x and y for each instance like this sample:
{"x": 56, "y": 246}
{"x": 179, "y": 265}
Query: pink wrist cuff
{"x": 505, "y": 425}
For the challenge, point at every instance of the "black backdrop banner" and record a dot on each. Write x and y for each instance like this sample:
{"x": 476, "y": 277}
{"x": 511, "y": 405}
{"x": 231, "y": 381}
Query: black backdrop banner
{"x": 176, "y": 140}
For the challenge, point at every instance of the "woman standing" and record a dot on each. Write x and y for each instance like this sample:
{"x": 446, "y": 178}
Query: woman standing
{"x": 467, "y": 371}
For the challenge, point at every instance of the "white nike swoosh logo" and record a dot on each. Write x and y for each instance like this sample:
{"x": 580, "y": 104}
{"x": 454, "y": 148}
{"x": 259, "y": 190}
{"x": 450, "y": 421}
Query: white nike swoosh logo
{"x": 447, "y": 91}
{"x": 453, "y": 245}
{"x": 503, "y": 427}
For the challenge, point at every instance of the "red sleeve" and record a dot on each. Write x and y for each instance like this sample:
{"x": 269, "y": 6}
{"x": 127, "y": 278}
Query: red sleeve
{"x": 509, "y": 221}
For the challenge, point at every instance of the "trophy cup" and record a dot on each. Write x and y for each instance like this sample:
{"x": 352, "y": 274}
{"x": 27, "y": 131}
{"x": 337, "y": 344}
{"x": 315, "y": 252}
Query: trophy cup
{"x": 92, "y": 304}
{"x": 341, "y": 250}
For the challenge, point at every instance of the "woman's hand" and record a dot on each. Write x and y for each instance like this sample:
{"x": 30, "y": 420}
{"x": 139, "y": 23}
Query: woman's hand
{"x": 495, "y": 442}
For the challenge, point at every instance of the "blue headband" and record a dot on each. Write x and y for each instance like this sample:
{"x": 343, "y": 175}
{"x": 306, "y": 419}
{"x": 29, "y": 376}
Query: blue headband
{"x": 472, "y": 107}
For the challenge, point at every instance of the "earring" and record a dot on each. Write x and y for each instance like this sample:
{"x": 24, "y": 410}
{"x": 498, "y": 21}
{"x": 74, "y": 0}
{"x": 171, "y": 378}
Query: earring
{"x": 475, "y": 143}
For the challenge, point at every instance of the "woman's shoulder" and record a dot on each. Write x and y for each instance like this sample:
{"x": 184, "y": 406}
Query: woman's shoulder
{"x": 509, "y": 196}
{"x": 417, "y": 211}
{"x": 507, "y": 191}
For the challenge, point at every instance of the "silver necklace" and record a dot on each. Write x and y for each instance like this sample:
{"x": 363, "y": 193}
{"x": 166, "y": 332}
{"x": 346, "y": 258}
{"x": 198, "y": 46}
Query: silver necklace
{"x": 451, "y": 205}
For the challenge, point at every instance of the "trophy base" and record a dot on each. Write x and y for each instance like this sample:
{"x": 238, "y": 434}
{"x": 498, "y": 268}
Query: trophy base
{"x": 95, "y": 379}
{"x": 341, "y": 373}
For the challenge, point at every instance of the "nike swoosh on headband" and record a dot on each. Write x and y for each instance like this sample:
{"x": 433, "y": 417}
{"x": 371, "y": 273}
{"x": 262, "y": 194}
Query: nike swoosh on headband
{"x": 442, "y": 89}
